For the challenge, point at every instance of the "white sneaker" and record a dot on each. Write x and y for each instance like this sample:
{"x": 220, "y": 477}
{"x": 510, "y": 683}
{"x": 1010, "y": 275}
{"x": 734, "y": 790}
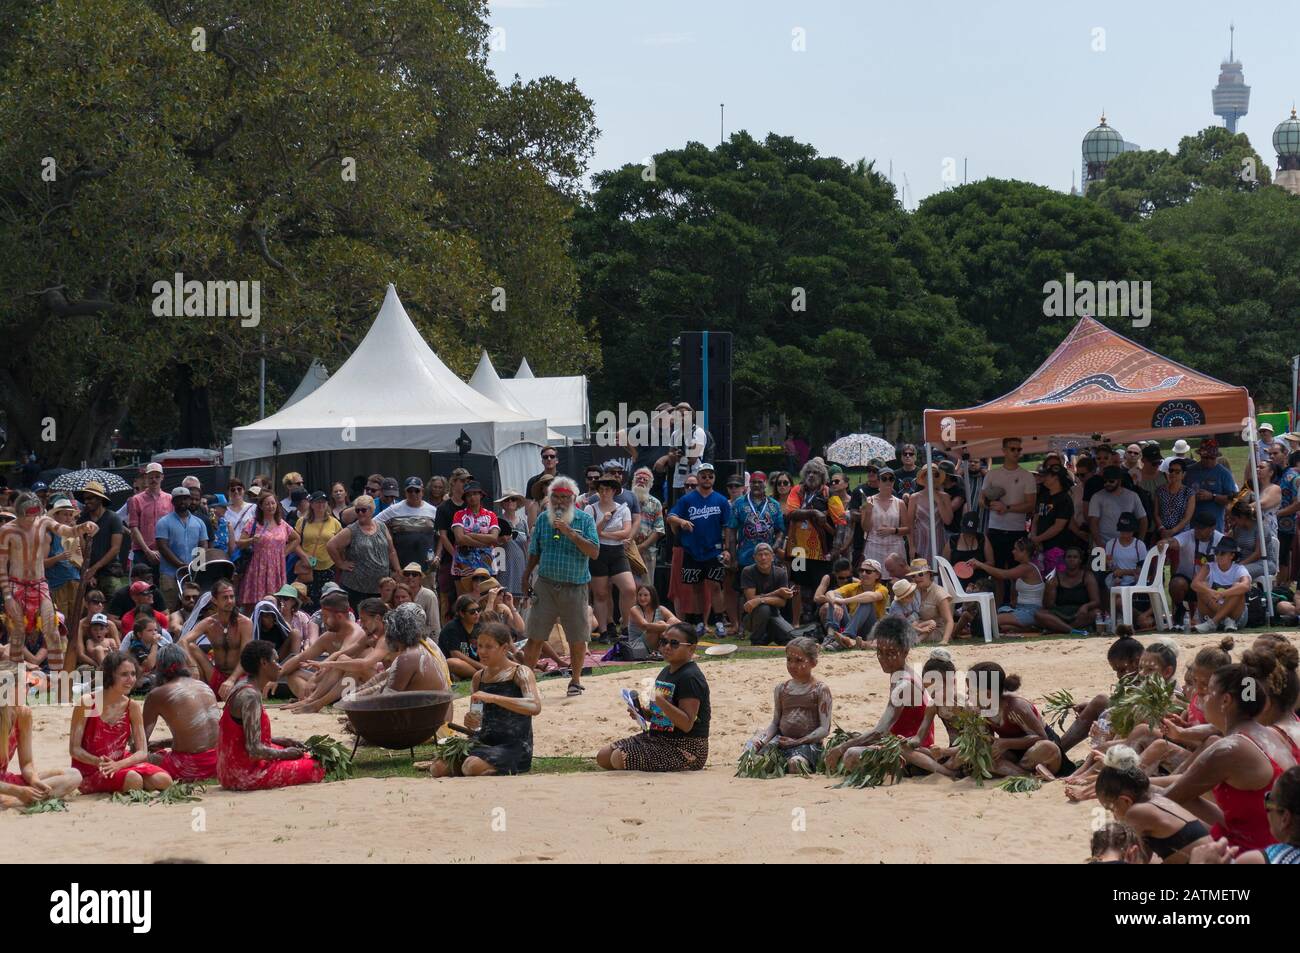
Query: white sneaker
{"x": 1205, "y": 625}
{"x": 1229, "y": 625}
{"x": 721, "y": 629}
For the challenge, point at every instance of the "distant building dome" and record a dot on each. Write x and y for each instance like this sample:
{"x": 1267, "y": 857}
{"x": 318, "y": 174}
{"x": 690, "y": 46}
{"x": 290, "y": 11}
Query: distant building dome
{"x": 1102, "y": 144}
{"x": 1286, "y": 137}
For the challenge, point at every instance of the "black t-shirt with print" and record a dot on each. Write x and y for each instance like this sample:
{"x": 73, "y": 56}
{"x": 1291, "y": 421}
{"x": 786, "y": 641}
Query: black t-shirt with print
{"x": 1053, "y": 508}
{"x": 454, "y": 638}
{"x": 687, "y": 682}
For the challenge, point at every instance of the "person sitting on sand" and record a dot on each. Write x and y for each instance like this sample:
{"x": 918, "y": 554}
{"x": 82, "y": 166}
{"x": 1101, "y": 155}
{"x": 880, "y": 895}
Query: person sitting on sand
{"x": 338, "y": 631}
{"x": 1117, "y": 843}
{"x": 355, "y": 664}
{"x": 647, "y": 619}
{"x": 1123, "y": 657}
{"x": 503, "y": 704}
{"x": 190, "y": 709}
{"x": 417, "y": 664}
{"x": 30, "y": 784}
{"x": 1283, "y": 804}
{"x": 908, "y": 699}
{"x": 801, "y": 711}
{"x": 1071, "y": 599}
{"x": 1183, "y": 734}
{"x": 457, "y": 637}
{"x": 95, "y": 642}
{"x": 107, "y": 741}
{"x": 270, "y": 626}
{"x": 190, "y": 594}
{"x": 215, "y": 643}
{"x": 1241, "y": 767}
{"x": 248, "y": 758}
{"x": 677, "y": 737}
{"x": 939, "y": 674}
{"x": 1282, "y": 693}
{"x": 1167, "y": 829}
{"x": 1023, "y": 744}
{"x": 856, "y": 608}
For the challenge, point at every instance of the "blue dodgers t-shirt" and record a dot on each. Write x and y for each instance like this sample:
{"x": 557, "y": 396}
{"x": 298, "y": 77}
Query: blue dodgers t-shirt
{"x": 709, "y": 515}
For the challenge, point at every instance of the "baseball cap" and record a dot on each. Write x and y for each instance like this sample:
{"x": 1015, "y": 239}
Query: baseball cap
{"x": 180, "y": 492}
{"x": 414, "y": 483}
{"x": 39, "y": 486}
{"x": 705, "y": 466}
{"x": 1209, "y": 443}
{"x": 735, "y": 480}
{"x": 388, "y": 486}
{"x": 99, "y": 619}
{"x": 472, "y": 487}
{"x": 1112, "y": 473}
{"x": 153, "y": 468}
{"x": 1204, "y": 520}
{"x": 611, "y": 465}
{"x": 1126, "y": 522}
{"x": 140, "y": 587}
{"x": 329, "y": 587}
{"x": 318, "y": 496}
{"x": 1226, "y": 545}
{"x": 297, "y": 496}
{"x": 219, "y": 500}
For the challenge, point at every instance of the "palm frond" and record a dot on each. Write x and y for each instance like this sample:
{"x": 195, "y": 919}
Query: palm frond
{"x": 1020, "y": 784}
{"x": 974, "y": 744}
{"x": 333, "y": 756}
{"x": 882, "y": 760}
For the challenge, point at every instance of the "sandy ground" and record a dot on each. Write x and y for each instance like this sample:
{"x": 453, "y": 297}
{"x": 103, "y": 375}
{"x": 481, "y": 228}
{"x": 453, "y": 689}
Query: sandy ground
{"x": 704, "y": 816}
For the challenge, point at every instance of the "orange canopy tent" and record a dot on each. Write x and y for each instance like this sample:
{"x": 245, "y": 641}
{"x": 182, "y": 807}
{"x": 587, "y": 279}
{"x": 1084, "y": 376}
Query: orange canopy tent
{"x": 1097, "y": 386}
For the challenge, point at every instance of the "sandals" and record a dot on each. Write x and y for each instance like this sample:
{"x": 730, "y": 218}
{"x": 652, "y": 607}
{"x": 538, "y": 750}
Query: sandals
{"x": 574, "y": 690}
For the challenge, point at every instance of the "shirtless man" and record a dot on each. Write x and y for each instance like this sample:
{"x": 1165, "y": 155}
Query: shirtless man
{"x": 24, "y": 547}
{"x": 357, "y": 662}
{"x": 338, "y": 632}
{"x": 190, "y": 709}
{"x": 189, "y": 597}
{"x": 227, "y": 632}
{"x": 418, "y": 665}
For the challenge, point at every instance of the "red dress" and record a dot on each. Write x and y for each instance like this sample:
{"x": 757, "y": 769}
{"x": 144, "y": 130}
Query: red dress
{"x": 112, "y": 741}
{"x": 238, "y": 772}
{"x": 11, "y": 748}
{"x": 1245, "y": 819}
{"x": 910, "y": 716}
{"x": 189, "y": 765}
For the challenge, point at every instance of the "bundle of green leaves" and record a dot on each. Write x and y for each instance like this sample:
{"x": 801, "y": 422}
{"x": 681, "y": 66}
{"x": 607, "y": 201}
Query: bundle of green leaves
{"x": 765, "y": 763}
{"x": 882, "y": 760}
{"x": 334, "y": 755}
{"x": 974, "y": 743}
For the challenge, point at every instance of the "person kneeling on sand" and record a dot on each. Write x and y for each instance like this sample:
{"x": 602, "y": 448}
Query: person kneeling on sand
{"x": 29, "y": 785}
{"x": 503, "y": 704}
{"x": 801, "y": 711}
{"x": 417, "y": 664}
{"x": 677, "y": 734}
{"x": 189, "y": 706}
{"x": 248, "y": 758}
{"x": 908, "y": 699}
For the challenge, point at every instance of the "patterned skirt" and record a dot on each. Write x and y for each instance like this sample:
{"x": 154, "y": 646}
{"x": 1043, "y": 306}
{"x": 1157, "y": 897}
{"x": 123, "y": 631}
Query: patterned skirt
{"x": 664, "y": 751}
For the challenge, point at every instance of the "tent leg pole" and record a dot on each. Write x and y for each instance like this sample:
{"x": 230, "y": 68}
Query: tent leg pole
{"x": 929, "y": 492}
{"x": 1259, "y": 522}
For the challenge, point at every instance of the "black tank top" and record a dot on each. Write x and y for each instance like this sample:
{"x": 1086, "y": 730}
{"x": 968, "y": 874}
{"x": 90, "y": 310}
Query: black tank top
{"x": 502, "y": 727}
{"x": 1071, "y": 597}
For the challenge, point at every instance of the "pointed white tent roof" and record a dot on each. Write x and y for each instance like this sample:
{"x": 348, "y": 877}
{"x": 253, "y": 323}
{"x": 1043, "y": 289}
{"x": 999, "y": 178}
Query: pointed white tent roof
{"x": 315, "y": 376}
{"x": 561, "y": 400}
{"x": 524, "y": 370}
{"x": 488, "y": 382}
{"x": 392, "y": 393}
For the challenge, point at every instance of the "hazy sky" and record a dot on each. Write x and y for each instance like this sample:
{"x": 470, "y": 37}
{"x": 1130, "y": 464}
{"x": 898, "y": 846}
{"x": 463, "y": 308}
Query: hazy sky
{"x": 1011, "y": 86}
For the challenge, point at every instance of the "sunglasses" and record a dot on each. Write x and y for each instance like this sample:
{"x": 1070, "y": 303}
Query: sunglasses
{"x": 691, "y": 486}
{"x": 414, "y": 489}
{"x": 866, "y": 569}
{"x": 674, "y": 643}
{"x": 887, "y": 479}
{"x": 413, "y": 575}
{"x": 548, "y": 456}
{"x": 361, "y": 509}
{"x": 474, "y": 611}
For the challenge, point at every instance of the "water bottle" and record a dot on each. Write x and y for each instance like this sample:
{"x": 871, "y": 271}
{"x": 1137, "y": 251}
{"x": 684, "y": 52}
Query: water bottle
{"x": 1099, "y": 624}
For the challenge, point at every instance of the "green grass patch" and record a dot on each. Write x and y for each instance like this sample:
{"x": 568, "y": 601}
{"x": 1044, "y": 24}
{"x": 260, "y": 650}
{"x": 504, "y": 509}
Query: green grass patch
{"x": 382, "y": 763}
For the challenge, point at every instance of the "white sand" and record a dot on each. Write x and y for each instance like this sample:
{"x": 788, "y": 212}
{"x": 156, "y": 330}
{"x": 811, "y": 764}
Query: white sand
{"x": 699, "y": 817}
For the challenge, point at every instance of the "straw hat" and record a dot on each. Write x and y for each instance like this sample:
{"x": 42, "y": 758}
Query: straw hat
{"x": 917, "y": 567}
{"x": 94, "y": 488}
{"x": 903, "y": 590}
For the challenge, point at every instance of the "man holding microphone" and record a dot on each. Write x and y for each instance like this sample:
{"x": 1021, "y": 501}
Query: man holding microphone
{"x": 561, "y": 547}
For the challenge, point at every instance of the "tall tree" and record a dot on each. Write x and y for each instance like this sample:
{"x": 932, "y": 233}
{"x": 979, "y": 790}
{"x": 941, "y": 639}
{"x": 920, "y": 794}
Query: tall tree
{"x": 321, "y": 148}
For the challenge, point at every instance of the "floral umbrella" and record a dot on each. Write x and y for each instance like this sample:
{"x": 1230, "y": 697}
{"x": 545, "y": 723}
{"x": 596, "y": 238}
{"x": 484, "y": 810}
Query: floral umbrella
{"x": 76, "y": 480}
{"x": 857, "y": 449}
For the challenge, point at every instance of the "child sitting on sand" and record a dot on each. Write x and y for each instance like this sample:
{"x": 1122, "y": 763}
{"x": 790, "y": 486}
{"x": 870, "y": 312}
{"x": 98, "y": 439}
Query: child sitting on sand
{"x": 1167, "y": 829}
{"x": 1117, "y": 843}
{"x": 801, "y": 711}
{"x": 1023, "y": 744}
{"x": 940, "y": 675}
{"x": 1122, "y": 657}
{"x": 908, "y": 698}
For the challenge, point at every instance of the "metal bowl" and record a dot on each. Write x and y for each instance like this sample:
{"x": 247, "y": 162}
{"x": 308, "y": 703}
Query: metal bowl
{"x": 399, "y": 719}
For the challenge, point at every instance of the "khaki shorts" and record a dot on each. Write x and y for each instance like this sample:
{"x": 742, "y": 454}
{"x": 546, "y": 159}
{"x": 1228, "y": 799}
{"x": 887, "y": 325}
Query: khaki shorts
{"x": 562, "y": 602}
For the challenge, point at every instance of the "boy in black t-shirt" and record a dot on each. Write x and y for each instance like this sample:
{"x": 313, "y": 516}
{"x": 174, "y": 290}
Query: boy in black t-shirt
{"x": 676, "y": 736}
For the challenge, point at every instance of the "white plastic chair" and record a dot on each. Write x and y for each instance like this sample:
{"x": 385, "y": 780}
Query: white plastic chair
{"x": 988, "y": 608}
{"x": 1151, "y": 582}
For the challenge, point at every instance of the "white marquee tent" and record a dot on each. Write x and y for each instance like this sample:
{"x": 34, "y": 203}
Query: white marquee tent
{"x": 394, "y": 394}
{"x": 315, "y": 376}
{"x": 561, "y": 400}
{"x": 488, "y": 382}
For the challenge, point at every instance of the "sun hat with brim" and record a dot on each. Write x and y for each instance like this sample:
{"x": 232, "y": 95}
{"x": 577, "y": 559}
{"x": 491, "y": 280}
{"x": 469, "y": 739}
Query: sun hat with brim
{"x": 94, "y": 488}
{"x": 1266, "y": 426}
{"x": 1182, "y": 446}
{"x": 481, "y": 573}
{"x": 917, "y": 567}
{"x": 1291, "y": 437}
{"x": 287, "y": 592}
{"x": 609, "y": 481}
{"x": 510, "y": 495}
{"x": 413, "y": 567}
{"x": 487, "y": 585}
{"x": 903, "y": 590}
{"x": 62, "y": 503}
{"x": 331, "y": 587}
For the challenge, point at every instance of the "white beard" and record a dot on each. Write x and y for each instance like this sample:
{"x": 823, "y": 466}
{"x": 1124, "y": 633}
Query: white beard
{"x": 562, "y": 514}
{"x": 642, "y": 493}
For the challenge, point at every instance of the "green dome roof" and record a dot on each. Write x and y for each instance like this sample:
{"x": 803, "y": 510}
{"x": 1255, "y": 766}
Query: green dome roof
{"x": 1286, "y": 137}
{"x": 1102, "y": 143}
